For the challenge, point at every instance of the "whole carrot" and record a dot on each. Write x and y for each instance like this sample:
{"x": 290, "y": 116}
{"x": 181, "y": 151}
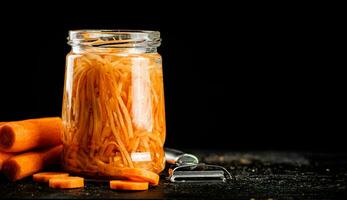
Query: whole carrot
{"x": 19, "y": 136}
{"x": 3, "y": 157}
{"x": 26, "y": 164}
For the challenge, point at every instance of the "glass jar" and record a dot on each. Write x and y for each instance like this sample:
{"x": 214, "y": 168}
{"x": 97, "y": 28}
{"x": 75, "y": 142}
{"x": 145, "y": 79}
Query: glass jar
{"x": 113, "y": 105}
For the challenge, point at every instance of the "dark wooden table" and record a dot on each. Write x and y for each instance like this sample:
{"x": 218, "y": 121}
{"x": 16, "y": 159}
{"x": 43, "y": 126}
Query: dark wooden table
{"x": 256, "y": 175}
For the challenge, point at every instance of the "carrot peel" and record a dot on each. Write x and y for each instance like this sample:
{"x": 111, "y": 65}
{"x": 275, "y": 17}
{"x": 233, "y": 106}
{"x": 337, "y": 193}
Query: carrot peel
{"x": 138, "y": 174}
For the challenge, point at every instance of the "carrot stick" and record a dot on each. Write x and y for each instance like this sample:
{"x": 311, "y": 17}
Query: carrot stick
{"x": 45, "y": 176}
{"x": 30, "y": 134}
{"x": 3, "y": 157}
{"x": 66, "y": 182}
{"x": 128, "y": 185}
{"x": 116, "y": 108}
{"x": 26, "y": 164}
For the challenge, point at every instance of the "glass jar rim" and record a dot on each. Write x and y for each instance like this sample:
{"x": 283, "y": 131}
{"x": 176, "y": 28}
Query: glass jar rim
{"x": 116, "y": 38}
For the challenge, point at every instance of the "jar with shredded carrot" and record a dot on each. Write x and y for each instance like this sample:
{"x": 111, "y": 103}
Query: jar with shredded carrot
{"x": 113, "y": 108}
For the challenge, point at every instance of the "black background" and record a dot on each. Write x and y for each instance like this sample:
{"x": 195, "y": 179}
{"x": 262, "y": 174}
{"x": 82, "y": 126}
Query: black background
{"x": 236, "y": 76}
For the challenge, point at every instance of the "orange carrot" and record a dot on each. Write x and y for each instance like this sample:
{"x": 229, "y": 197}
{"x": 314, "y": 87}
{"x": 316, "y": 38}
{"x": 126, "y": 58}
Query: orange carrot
{"x": 3, "y": 157}
{"x": 19, "y": 136}
{"x": 46, "y": 176}
{"x": 128, "y": 185}
{"x": 138, "y": 174}
{"x": 26, "y": 164}
{"x": 66, "y": 182}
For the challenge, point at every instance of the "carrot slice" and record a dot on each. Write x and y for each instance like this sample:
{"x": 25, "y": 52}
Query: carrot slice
{"x": 45, "y": 176}
{"x": 138, "y": 174}
{"x": 66, "y": 182}
{"x": 128, "y": 185}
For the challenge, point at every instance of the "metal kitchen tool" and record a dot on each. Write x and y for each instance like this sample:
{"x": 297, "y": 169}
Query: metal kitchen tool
{"x": 186, "y": 168}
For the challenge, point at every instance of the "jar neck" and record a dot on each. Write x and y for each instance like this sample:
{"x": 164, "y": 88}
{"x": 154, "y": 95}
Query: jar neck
{"x": 114, "y": 41}
{"x": 88, "y": 49}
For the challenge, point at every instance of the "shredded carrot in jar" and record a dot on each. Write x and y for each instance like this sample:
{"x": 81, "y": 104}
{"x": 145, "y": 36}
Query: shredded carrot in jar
{"x": 113, "y": 113}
